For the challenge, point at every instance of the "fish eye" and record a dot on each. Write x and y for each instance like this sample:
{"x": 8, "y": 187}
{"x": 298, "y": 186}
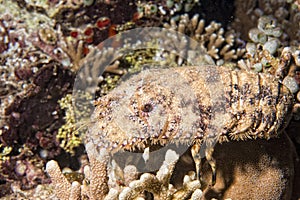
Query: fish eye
{"x": 147, "y": 107}
{"x": 153, "y": 8}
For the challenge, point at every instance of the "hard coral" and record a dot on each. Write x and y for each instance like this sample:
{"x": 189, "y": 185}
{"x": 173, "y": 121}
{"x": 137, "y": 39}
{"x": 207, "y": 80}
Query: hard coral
{"x": 285, "y": 12}
{"x": 221, "y": 46}
{"x": 267, "y": 171}
{"x": 95, "y": 186}
{"x": 254, "y": 169}
{"x": 97, "y": 181}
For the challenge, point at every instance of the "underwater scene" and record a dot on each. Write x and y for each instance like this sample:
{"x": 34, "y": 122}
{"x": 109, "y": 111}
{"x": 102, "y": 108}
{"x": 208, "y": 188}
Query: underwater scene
{"x": 149, "y": 100}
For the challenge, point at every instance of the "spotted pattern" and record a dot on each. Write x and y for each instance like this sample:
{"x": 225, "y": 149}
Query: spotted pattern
{"x": 190, "y": 105}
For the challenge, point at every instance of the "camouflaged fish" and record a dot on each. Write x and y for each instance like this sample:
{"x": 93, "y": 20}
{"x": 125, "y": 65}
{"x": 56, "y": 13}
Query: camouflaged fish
{"x": 194, "y": 105}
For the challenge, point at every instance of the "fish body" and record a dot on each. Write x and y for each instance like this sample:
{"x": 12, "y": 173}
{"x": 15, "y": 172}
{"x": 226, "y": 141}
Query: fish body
{"x": 192, "y": 104}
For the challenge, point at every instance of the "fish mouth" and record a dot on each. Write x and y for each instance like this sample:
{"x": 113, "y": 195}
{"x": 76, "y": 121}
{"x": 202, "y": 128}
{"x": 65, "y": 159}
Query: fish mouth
{"x": 155, "y": 156}
{"x": 140, "y": 147}
{"x": 153, "y": 144}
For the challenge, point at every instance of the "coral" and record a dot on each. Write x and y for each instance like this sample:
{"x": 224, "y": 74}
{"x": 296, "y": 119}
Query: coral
{"x": 43, "y": 44}
{"x": 59, "y": 38}
{"x": 164, "y": 9}
{"x": 18, "y": 15}
{"x": 52, "y": 8}
{"x": 96, "y": 178}
{"x": 285, "y": 12}
{"x": 95, "y": 186}
{"x": 218, "y": 44}
{"x": 20, "y": 64}
{"x": 25, "y": 167}
{"x": 19, "y": 110}
{"x": 33, "y": 120}
{"x": 74, "y": 51}
{"x": 37, "y": 53}
{"x": 92, "y": 78}
{"x": 157, "y": 13}
{"x": 262, "y": 52}
{"x": 268, "y": 171}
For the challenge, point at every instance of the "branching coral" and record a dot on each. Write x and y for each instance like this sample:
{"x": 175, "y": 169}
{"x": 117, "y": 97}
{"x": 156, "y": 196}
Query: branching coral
{"x": 96, "y": 180}
{"x": 266, "y": 166}
{"x": 74, "y": 51}
{"x": 218, "y": 44}
{"x": 94, "y": 187}
{"x": 157, "y": 185}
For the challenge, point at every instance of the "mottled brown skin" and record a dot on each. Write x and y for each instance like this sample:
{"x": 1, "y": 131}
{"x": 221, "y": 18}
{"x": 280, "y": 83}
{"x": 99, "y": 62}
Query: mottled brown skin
{"x": 152, "y": 107}
{"x": 199, "y": 106}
